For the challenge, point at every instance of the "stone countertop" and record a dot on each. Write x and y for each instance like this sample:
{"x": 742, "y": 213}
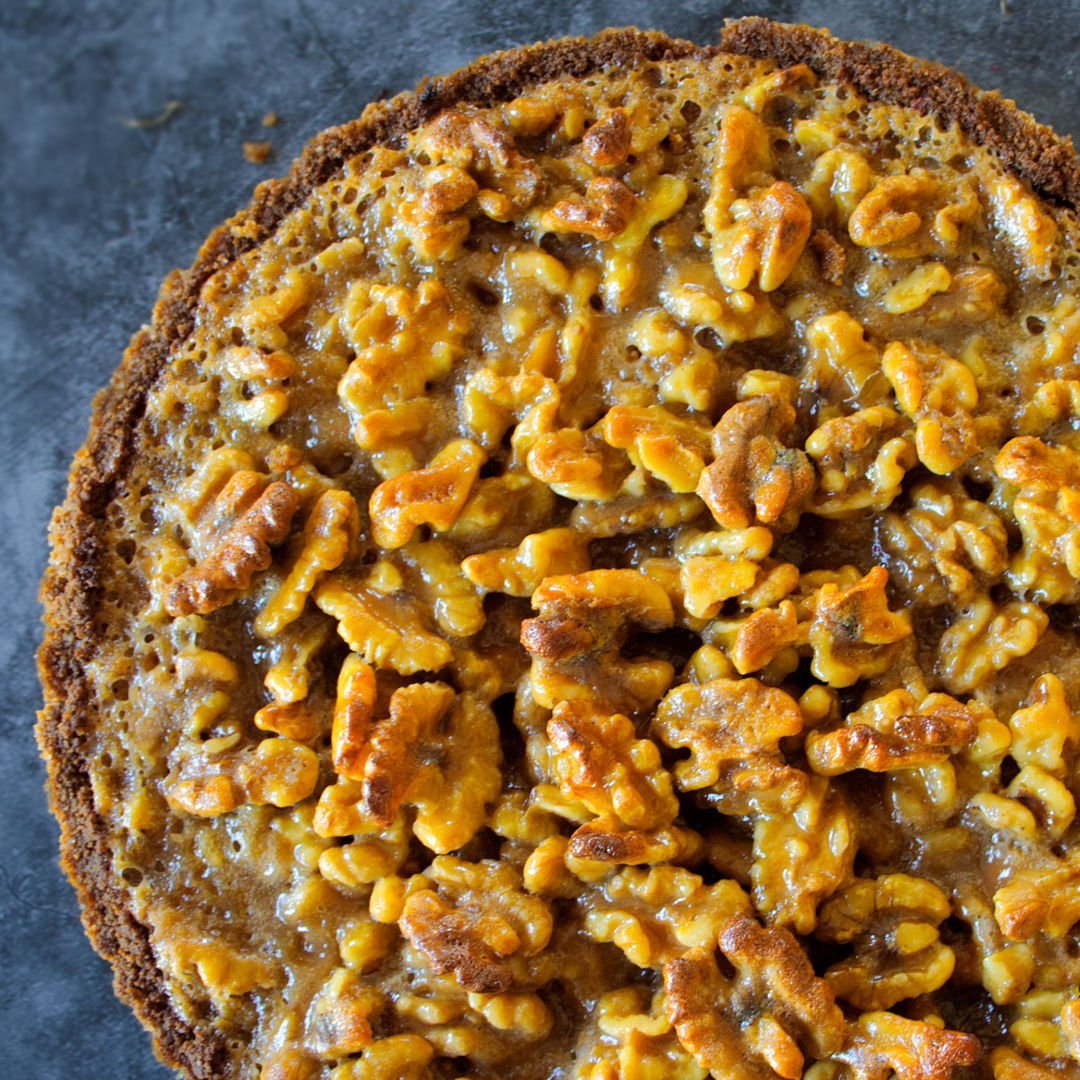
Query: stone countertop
{"x": 94, "y": 212}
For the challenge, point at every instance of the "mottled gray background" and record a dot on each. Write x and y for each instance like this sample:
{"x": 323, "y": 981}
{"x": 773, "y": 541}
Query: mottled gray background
{"x": 93, "y": 213}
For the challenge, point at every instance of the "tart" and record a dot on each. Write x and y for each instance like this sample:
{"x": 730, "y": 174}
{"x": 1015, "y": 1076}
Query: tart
{"x": 579, "y": 580}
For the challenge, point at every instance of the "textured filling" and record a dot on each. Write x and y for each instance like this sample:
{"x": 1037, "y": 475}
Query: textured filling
{"x": 596, "y": 598}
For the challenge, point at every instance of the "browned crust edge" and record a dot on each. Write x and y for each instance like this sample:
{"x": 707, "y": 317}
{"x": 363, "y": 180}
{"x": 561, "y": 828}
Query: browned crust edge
{"x": 1030, "y": 149}
{"x": 71, "y": 590}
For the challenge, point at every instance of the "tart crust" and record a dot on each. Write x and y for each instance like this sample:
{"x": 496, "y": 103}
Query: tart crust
{"x": 71, "y": 590}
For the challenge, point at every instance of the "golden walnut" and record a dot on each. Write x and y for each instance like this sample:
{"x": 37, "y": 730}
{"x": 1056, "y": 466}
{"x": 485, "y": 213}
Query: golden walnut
{"x": 596, "y": 760}
{"x": 576, "y": 640}
{"x": 733, "y": 728}
{"x": 892, "y": 923}
{"x": 756, "y": 476}
{"x": 783, "y": 1008}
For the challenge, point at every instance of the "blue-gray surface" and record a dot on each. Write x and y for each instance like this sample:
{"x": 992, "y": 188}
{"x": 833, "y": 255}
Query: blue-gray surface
{"x": 93, "y": 213}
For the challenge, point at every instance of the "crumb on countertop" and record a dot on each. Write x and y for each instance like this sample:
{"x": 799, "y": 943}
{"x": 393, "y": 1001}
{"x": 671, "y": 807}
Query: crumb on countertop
{"x": 257, "y": 152}
{"x": 270, "y": 119}
{"x": 170, "y": 109}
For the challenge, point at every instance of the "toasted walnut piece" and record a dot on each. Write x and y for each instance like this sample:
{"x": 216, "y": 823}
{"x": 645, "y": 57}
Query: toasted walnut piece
{"x": 774, "y": 983}
{"x": 802, "y": 856}
{"x": 607, "y": 142}
{"x": 1039, "y": 900}
{"x": 893, "y": 732}
{"x": 489, "y": 916}
{"x": 976, "y": 294}
{"x": 939, "y": 394}
{"x": 575, "y": 642}
{"x": 491, "y": 403}
{"x": 390, "y": 764}
{"x": 631, "y": 514}
{"x": 654, "y": 915}
{"x": 661, "y": 198}
{"x": 243, "y": 362}
{"x": 985, "y": 639}
{"x": 207, "y": 795}
{"x": 453, "y": 941}
{"x": 596, "y": 759}
{"x": 1046, "y": 798}
{"x": 577, "y": 465}
{"x": 453, "y": 795}
{"x": 209, "y": 680}
{"x": 496, "y": 888}
{"x": 862, "y": 460}
{"x": 881, "y": 1044}
{"x": 280, "y": 772}
{"x": 669, "y": 447}
{"x": 385, "y": 633}
{"x": 433, "y": 221}
{"x": 503, "y": 509}
{"x": 338, "y": 1022}
{"x": 520, "y": 571}
{"x": 1047, "y": 510}
{"x": 757, "y": 227}
{"x": 762, "y": 637}
{"x": 523, "y": 1014}
{"x": 1009, "y": 1065}
{"x": 1053, "y": 401}
{"x": 329, "y": 533}
{"x": 1028, "y": 462}
{"x": 223, "y": 969}
{"x": 293, "y": 719}
{"x": 840, "y": 362}
{"x": 353, "y": 717}
{"x": 773, "y": 970}
{"x": 443, "y": 759}
{"x": 645, "y": 1046}
{"x": 366, "y": 860}
{"x": 695, "y": 991}
{"x": 733, "y": 728}
{"x": 432, "y": 496}
{"x": 892, "y": 923}
{"x": 788, "y": 84}
{"x": 1044, "y": 728}
{"x": 853, "y": 633}
{"x": 768, "y": 236}
{"x": 603, "y": 213}
{"x": 404, "y": 339}
{"x": 945, "y": 531}
{"x": 455, "y": 603}
{"x": 529, "y": 115}
{"x": 912, "y": 291}
{"x": 715, "y": 566}
{"x": 608, "y": 840}
{"x": 296, "y": 650}
{"x": 1070, "y": 1027}
{"x": 890, "y": 210}
{"x": 288, "y": 1063}
{"x": 397, "y": 1057}
{"x": 1030, "y": 230}
{"x": 743, "y": 158}
{"x": 840, "y": 178}
{"x": 755, "y": 476}
{"x": 1040, "y": 1021}
{"x": 195, "y": 496}
{"x": 244, "y": 549}
{"x": 545, "y": 871}
{"x": 446, "y": 189}
{"x": 489, "y": 154}
{"x": 731, "y": 316}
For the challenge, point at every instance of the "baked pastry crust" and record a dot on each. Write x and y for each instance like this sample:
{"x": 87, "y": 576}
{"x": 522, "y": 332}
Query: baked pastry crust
{"x": 72, "y": 590}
